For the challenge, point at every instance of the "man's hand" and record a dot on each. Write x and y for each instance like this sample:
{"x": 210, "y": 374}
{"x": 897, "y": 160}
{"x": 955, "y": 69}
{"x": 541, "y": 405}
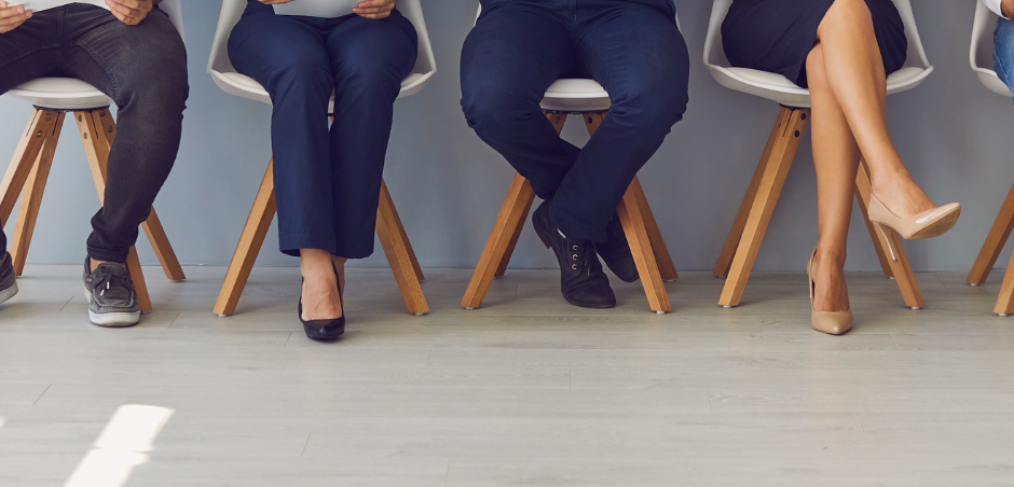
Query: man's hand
{"x": 1007, "y": 7}
{"x": 130, "y": 12}
{"x": 12, "y": 17}
{"x": 377, "y": 9}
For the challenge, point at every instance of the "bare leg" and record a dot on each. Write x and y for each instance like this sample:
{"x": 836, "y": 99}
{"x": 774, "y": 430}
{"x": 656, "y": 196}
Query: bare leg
{"x": 320, "y": 288}
{"x": 339, "y": 263}
{"x": 855, "y": 74}
{"x": 836, "y": 159}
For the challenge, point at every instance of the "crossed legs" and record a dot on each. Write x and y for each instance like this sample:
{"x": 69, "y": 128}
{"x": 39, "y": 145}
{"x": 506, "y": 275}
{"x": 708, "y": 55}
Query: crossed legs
{"x": 848, "y": 91}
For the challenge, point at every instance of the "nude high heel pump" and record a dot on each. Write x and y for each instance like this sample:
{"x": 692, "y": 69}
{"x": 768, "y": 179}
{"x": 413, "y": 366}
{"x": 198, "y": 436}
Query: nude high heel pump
{"x": 928, "y": 224}
{"x": 830, "y": 322}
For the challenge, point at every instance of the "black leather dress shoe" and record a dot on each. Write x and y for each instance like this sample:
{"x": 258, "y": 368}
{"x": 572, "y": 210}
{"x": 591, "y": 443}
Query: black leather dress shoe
{"x": 616, "y": 252}
{"x": 582, "y": 280}
{"x": 324, "y": 329}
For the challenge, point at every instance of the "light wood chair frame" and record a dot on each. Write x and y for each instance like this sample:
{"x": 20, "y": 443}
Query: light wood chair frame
{"x": 28, "y": 172}
{"x": 654, "y": 264}
{"x": 390, "y": 232}
{"x": 748, "y": 229}
{"x": 990, "y": 252}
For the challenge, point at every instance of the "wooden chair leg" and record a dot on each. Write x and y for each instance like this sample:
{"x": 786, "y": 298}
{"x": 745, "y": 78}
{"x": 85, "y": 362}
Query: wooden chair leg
{"x": 736, "y": 232}
{"x": 791, "y": 125}
{"x": 152, "y": 226}
{"x": 97, "y": 150}
{"x": 250, "y": 241}
{"x": 885, "y": 262}
{"x": 417, "y": 269}
{"x": 994, "y": 243}
{"x": 398, "y": 251}
{"x": 632, "y": 218}
{"x": 662, "y": 256}
{"x": 512, "y": 215}
{"x": 31, "y": 199}
{"x": 892, "y": 246}
{"x": 42, "y": 124}
{"x": 1005, "y": 301}
{"x": 558, "y": 120}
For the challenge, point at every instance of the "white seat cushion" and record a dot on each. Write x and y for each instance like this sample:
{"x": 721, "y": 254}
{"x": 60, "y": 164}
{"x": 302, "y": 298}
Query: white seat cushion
{"x": 576, "y": 95}
{"x": 61, "y": 94}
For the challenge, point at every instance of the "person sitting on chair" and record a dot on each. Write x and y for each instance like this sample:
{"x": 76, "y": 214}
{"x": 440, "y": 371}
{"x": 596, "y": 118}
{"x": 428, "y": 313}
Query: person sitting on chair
{"x": 327, "y": 181}
{"x": 635, "y": 50}
{"x": 842, "y": 50}
{"x": 133, "y": 54}
{"x": 1003, "y": 40}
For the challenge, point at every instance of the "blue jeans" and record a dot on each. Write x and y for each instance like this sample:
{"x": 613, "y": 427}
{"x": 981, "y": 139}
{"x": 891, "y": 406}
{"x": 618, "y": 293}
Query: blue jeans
{"x": 143, "y": 68}
{"x": 327, "y": 181}
{"x": 1003, "y": 51}
{"x": 519, "y": 47}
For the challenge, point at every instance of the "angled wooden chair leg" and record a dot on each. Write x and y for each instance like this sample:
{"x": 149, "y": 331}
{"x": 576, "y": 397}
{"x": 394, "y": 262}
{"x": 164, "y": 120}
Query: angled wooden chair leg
{"x": 398, "y": 252}
{"x": 893, "y": 248}
{"x": 31, "y": 199}
{"x": 97, "y": 150}
{"x": 763, "y": 204}
{"x": 632, "y": 218}
{"x": 42, "y": 125}
{"x": 512, "y": 215}
{"x": 1005, "y": 300}
{"x": 249, "y": 245}
{"x": 994, "y": 243}
{"x": 386, "y": 195}
{"x": 662, "y": 256}
{"x": 152, "y": 227}
{"x": 736, "y": 232}
{"x": 885, "y": 262}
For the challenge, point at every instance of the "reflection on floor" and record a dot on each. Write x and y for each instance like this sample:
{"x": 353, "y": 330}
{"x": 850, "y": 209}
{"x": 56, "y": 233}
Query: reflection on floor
{"x": 524, "y": 391}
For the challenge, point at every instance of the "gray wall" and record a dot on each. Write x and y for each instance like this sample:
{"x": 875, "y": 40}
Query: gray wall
{"x": 953, "y": 134}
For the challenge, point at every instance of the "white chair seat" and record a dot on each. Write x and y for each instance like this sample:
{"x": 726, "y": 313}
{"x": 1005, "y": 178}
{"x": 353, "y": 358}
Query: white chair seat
{"x": 244, "y": 86}
{"x": 576, "y": 95}
{"x": 989, "y": 78}
{"x": 981, "y": 55}
{"x": 778, "y": 88}
{"x": 61, "y": 94}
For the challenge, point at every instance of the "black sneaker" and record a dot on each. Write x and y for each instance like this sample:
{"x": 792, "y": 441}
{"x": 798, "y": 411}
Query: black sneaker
{"x": 616, "y": 252}
{"x": 8, "y": 283}
{"x": 110, "y": 293}
{"x": 581, "y": 278}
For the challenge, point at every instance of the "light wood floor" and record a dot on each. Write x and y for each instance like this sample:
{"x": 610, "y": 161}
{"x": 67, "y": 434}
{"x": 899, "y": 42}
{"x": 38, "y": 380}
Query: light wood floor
{"x": 526, "y": 391}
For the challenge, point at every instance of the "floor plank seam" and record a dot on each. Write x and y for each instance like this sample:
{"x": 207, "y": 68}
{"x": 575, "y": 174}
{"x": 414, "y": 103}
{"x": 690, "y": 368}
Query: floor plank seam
{"x": 43, "y": 394}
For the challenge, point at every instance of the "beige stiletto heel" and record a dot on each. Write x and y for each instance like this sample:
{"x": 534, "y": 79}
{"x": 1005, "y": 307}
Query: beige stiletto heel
{"x": 928, "y": 224}
{"x": 830, "y": 322}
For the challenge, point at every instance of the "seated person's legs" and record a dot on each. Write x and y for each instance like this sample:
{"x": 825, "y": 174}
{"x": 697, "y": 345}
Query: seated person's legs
{"x": 143, "y": 69}
{"x": 1003, "y": 51}
{"x": 508, "y": 61}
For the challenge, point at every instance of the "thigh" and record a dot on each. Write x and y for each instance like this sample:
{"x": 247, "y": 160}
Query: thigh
{"x": 636, "y": 52}
{"x": 268, "y": 47}
{"x": 118, "y": 58}
{"x": 517, "y": 50}
{"x": 372, "y": 48}
{"x": 1003, "y": 50}
{"x": 29, "y": 51}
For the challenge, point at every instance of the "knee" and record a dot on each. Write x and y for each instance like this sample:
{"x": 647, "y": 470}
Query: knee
{"x": 492, "y": 107}
{"x": 369, "y": 74}
{"x": 650, "y": 103}
{"x": 158, "y": 78}
{"x": 844, "y": 12}
{"x": 816, "y": 75}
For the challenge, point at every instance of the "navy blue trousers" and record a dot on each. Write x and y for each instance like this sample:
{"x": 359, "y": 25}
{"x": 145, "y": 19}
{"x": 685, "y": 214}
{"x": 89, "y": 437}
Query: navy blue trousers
{"x": 520, "y": 47}
{"x": 327, "y": 179}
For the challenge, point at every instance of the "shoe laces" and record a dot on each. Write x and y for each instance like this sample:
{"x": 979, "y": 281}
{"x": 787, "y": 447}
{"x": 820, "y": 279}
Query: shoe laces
{"x": 111, "y": 282}
{"x": 581, "y": 255}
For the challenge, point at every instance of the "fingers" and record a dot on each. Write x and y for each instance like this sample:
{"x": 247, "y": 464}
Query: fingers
{"x": 374, "y": 9}
{"x": 12, "y": 17}
{"x": 130, "y": 12}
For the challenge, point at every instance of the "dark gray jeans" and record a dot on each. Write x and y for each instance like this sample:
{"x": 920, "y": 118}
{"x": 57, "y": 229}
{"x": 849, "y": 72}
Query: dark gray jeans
{"x": 143, "y": 68}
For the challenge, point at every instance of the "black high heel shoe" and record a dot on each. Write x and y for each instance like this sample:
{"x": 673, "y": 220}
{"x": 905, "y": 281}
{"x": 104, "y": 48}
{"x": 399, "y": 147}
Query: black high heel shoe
{"x": 324, "y": 329}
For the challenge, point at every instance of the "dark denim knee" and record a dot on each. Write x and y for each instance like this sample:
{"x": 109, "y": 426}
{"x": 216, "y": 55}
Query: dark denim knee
{"x": 649, "y": 103}
{"x": 157, "y": 80}
{"x": 494, "y": 108}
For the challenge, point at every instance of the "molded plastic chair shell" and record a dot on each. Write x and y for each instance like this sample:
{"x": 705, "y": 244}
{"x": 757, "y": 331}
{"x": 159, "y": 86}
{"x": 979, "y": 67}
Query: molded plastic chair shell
{"x": 74, "y": 94}
{"x": 234, "y": 83}
{"x": 981, "y": 54}
{"x": 779, "y": 89}
{"x": 575, "y": 95}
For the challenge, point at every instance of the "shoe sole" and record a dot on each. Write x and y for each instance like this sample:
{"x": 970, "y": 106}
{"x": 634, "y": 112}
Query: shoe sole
{"x": 8, "y": 293}
{"x": 939, "y": 227}
{"x": 112, "y": 320}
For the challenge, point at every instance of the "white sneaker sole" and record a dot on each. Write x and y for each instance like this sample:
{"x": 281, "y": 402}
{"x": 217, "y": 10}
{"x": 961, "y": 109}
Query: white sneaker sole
{"x": 111, "y": 320}
{"x": 8, "y": 293}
